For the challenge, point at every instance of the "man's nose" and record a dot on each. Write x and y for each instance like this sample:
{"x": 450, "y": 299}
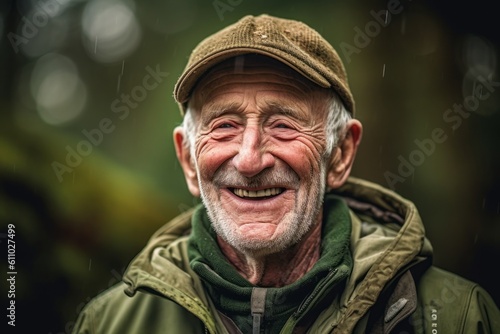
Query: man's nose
{"x": 252, "y": 157}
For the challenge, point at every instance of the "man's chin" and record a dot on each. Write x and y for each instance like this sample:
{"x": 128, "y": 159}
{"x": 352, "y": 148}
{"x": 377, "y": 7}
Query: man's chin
{"x": 257, "y": 248}
{"x": 249, "y": 241}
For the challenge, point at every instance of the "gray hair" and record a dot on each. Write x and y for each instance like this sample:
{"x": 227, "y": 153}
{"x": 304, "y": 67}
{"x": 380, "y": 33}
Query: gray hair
{"x": 335, "y": 126}
{"x": 336, "y": 123}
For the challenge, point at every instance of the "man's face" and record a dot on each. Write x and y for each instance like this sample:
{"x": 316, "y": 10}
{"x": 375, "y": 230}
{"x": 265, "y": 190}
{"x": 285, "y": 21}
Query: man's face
{"x": 260, "y": 154}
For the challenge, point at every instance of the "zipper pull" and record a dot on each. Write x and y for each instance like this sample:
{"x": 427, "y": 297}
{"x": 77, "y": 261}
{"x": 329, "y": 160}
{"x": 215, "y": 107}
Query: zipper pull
{"x": 257, "y": 307}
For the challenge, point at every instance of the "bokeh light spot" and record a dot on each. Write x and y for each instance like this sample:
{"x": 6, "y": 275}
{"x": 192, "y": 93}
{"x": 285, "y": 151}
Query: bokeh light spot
{"x": 110, "y": 30}
{"x": 59, "y": 93}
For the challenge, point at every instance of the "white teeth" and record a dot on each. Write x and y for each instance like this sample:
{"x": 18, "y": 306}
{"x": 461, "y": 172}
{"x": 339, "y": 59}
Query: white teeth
{"x": 258, "y": 193}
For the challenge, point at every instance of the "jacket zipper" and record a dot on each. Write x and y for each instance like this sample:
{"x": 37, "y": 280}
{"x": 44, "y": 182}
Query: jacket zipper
{"x": 257, "y": 307}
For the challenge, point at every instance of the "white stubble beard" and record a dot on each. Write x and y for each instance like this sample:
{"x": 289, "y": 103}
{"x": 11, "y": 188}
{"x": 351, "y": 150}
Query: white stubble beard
{"x": 296, "y": 223}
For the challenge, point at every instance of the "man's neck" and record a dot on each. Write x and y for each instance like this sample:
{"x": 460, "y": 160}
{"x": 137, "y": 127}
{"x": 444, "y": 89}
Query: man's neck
{"x": 277, "y": 269}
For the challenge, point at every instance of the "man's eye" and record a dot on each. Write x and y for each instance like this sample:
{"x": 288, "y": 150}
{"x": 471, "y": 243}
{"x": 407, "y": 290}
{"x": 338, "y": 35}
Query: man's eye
{"x": 225, "y": 126}
{"x": 282, "y": 126}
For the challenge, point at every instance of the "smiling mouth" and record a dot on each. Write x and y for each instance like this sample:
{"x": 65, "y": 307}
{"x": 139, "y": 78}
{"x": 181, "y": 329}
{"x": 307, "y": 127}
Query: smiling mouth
{"x": 257, "y": 194}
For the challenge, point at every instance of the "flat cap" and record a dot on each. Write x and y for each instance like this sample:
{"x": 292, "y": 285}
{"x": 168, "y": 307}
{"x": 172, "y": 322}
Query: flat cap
{"x": 291, "y": 42}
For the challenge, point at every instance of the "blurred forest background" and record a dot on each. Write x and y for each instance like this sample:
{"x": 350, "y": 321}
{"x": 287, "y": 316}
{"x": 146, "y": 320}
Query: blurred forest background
{"x": 87, "y": 165}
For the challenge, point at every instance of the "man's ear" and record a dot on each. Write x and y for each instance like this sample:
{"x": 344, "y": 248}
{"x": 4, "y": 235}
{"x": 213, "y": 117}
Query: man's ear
{"x": 344, "y": 154}
{"x": 186, "y": 161}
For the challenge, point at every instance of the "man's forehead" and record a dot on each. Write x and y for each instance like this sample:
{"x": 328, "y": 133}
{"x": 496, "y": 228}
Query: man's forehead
{"x": 283, "y": 89}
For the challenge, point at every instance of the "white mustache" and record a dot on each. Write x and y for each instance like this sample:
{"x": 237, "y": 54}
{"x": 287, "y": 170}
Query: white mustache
{"x": 282, "y": 177}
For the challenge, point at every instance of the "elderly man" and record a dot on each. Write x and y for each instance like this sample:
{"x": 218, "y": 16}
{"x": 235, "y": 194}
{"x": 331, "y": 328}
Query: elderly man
{"x": 284, "y": 241}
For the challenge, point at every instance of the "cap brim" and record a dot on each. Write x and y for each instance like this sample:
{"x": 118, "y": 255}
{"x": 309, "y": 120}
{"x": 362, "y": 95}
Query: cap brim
{"x": 188, "y": 80}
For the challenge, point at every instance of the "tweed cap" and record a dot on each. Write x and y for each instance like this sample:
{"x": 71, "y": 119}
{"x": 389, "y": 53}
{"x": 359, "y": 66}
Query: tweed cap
{"x": 291, "y": 42}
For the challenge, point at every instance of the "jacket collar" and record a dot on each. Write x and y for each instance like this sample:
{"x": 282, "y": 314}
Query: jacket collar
{"x": 388, "y": 236}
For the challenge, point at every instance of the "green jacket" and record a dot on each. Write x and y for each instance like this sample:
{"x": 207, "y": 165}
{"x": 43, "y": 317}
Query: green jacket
{"x": 392, "y": 287}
